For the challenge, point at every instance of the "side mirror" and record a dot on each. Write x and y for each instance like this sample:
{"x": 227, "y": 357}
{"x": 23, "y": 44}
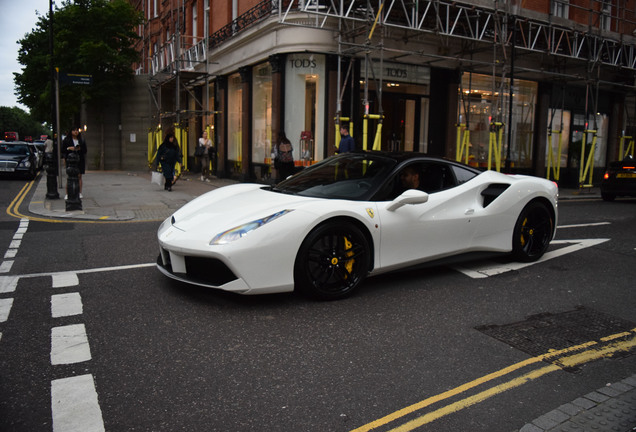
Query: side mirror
{"x": 411, "y": 196}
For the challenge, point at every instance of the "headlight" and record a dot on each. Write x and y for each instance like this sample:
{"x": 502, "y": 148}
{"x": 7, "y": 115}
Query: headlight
{"x": 25, "y": 163}
{"x": 242, "y": 230}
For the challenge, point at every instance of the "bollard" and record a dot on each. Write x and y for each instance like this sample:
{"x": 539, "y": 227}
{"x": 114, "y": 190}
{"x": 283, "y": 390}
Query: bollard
{"x": 51, "y": 176}
{"x": 73, "y": 201}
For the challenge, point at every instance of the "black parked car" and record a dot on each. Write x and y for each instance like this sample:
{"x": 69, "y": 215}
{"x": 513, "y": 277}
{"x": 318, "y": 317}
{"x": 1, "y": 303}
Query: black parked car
{"x": 619, "y": 179}
{"x": 19, "y": 158}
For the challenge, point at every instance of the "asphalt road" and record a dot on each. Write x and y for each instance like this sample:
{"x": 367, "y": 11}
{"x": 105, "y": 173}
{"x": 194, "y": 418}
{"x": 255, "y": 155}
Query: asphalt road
{"x": 416, "y": 346}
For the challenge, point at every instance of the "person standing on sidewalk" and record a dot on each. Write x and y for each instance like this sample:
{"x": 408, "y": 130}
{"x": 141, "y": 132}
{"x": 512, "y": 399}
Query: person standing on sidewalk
{"x": 168, "y": 155}
{"x": 75, "y": 143}
{"x": 204, "y": 155}
{"x": 283, "y": 157}
{"x": 347, "y": 144}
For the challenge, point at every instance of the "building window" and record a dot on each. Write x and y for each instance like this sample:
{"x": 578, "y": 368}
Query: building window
{"x": 561, "y": 8}
{"x": 235, "y": 114}
{"x": 606, "y": 16}
{"x": 194, "y": 23}
{"x": 484, "y": 110}
{"x": 262, "y": 114}
{"x": 305, "y": 106}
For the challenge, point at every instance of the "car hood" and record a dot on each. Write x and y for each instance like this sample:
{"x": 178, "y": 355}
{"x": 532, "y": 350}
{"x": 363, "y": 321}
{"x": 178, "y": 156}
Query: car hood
{"x": 13, "y": 158}
{"x": 230, "y": 206}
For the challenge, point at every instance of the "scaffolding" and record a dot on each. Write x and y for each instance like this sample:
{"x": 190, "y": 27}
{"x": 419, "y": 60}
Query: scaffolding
{"x": 497, "y": 38}
{"x": 461, "y": 34}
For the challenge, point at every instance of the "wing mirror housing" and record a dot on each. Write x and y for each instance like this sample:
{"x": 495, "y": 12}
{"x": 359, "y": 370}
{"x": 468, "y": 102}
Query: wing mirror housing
{"x": 411, "y": 196}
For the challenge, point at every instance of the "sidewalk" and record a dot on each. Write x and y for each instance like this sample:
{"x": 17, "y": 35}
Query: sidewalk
{"x": 127, "y": 196}
{"x": 122, "y": 196}
{"x": 610, "y": 408}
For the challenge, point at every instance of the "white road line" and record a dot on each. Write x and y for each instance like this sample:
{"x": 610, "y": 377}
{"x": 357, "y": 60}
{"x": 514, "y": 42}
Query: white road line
{"x": 63, "y": 305}
{"x": 5, "y": 308}
{"x": 15, "y": 244}
{"x": 8, "y": 283}
{"x": 583, "y": 225}
{"x": 5, "y": 267}
{"x": 69, "y": 344}
{"x": 93, "y": 270}
{"x": 66, "y": 279}
{"x": 480, "y": 270}
{"x": 74, "y": 405}
{"x": 10, "y": 253}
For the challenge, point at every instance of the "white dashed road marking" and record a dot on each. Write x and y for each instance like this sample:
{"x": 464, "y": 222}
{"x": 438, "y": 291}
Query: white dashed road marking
{"x": 61, "y": 280}
{"x": 74, "y": 405}
{"x": 5, "y": 308}
{"x": 69, "y": 344}
{"x": 63, "y": 305}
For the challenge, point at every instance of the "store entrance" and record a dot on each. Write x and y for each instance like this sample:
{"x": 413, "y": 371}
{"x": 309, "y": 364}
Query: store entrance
{"x": 404, "y": 125}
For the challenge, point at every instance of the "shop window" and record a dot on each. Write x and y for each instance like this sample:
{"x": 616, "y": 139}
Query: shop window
{"x": 484, "y": 108}
{"x": 235, "y": 114}
{"x": 304, "y": 122}
{"x": 262, "y": 116}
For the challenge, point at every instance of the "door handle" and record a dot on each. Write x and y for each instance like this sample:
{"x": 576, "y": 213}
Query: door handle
{"x": 469, "y": 212}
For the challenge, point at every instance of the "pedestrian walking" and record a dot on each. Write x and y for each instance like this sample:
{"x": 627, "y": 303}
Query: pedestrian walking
{"x": 168, "y": 155}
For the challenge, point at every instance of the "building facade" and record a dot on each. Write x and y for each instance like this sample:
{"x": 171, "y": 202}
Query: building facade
{"x": 542, "y": 87}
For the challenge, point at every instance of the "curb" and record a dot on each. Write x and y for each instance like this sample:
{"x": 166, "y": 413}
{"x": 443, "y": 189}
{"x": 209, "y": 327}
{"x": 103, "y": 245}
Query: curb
{"x": 609, "y": 408}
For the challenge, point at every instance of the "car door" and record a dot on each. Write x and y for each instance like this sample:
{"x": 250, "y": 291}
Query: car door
{"x": 442, "y": 226}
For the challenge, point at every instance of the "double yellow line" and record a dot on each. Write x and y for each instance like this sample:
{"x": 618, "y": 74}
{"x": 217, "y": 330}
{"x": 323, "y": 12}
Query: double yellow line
{"x": 559, "y": 359}
{"x": 14, "y": 207}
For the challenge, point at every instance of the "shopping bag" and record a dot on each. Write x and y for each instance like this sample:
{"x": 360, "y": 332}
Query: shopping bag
{"x": 156, "y": 178}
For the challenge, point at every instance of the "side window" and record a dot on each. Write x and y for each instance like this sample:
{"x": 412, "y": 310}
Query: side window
{"x": 463, "y": 175}
{"x": 436, "y": 177}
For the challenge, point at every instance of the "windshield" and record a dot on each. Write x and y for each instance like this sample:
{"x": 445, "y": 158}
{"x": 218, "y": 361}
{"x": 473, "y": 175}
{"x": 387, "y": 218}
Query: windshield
{"x": 14, "y": 149}
{"x": 350, "y": 176}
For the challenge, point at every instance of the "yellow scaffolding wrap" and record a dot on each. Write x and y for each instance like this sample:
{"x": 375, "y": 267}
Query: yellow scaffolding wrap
{"x": 463, "y": 143}
{"x": 589, "y": 163}
{"x": 495, "y": 144}
{"x": 377, "y": 142}
{"x": 630, "y": 147}
{"x": 181, "y": 134}
{"x": 155, "y": 138}
{"x": 554, "y": 161}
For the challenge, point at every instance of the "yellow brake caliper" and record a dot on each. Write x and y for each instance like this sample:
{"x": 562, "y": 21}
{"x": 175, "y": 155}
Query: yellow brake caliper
{"x": 523, "y": 238}
{"x": 349, "y": 263}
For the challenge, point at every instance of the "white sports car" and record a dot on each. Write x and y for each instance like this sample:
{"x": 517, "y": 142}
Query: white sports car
{"x": 325, "y": 229}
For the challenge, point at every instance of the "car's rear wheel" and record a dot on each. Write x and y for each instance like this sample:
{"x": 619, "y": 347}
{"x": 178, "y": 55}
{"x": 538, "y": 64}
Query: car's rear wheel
{"x": 532, "y": 232}
{"x": 332, "y": 261}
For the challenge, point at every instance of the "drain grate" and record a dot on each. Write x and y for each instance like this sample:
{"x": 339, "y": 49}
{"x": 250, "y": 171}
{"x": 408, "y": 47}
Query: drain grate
{"x": 543, "y": 332}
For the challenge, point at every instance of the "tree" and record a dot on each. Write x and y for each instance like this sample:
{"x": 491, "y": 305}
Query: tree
{"x": 17, "y": 120}
{"x": 92, "y": 37}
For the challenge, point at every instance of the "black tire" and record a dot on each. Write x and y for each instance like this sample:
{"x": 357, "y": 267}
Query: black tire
{"x": 332, "y": 261}
{"x": 532, "y": 233}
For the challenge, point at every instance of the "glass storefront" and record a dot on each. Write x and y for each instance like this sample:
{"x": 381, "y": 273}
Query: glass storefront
{"x": 304, "y": 106}
{"x": 484, "y": 112}
{"x": 262, "y": 116}
{"x": 235, "y": 113}
{"x": 405, "y": 107}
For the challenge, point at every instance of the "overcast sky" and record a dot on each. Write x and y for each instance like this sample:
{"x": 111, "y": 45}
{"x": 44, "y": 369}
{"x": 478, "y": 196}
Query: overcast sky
{"x": 17, "y": 18}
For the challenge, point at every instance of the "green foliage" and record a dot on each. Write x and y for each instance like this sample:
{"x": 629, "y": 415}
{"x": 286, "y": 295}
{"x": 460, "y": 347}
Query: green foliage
{"x": 92, "y": 37}
{"x": 17, "y": 120}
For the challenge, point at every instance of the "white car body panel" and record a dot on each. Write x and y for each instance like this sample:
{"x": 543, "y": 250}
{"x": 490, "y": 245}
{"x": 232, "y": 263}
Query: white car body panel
{"x": 452, "y": 221}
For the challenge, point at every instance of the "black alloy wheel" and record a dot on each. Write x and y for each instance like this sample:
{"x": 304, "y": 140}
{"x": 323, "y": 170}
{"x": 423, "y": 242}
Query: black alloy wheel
{"x": 332, "y": 261}
{"x": 532, "y": 233}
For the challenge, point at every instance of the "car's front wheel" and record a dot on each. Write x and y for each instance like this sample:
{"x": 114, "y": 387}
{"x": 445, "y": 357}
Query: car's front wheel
{"x": 332, "y": 261}
{"x": 532, "y": 232}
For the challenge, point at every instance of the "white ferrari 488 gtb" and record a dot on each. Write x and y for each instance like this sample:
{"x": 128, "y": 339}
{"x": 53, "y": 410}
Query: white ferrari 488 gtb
{"x": 325, "y": 229}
